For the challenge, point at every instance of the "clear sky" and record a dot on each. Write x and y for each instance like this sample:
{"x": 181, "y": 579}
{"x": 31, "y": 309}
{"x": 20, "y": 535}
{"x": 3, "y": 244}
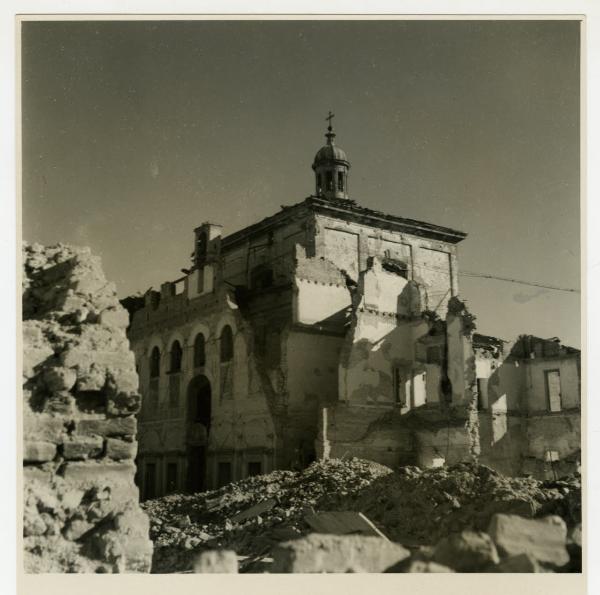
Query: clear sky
{"x": 134, "y": 133}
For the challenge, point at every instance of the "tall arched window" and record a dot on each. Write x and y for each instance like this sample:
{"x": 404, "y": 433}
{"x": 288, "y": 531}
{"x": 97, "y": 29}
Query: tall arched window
{"x": 155, "y": 363}
{"x": 199, "y": 353}
{"x": 176, "y": 354}
{"x": 226, "y": 344}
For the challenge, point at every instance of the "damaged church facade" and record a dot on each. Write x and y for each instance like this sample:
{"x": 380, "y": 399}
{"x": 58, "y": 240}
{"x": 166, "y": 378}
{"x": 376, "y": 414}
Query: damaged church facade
{"x": 330, "y": 330}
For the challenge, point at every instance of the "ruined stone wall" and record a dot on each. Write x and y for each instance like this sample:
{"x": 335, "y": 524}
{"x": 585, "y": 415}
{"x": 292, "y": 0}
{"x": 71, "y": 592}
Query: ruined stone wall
{"x": 274, "y": 249}
{"x": 431, "y": 263}
{"x": 80, "y": 397}
{"x": 385, "y": 325}
{"x": 386, "y": 378}
{"x": 367, "y": 432}
{"x": 321, "y": 294}
{"x": 567, "y": 367}
{"x": 311, "y": 370}
{"x": 518, "y": 432}
{"x": 242, "y": 426}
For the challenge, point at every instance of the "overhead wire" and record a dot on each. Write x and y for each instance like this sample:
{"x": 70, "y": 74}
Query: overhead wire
{"x": 519, "y": 281}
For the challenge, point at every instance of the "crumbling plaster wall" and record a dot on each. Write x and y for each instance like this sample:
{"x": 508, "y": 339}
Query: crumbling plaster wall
{"x": 274, "y": 248}
{"x": 386, "y": 324}
{"x": 320, "y": 292}
{"x": 312, "y": 366}
{"x": 537, "y": 398}
{"x": 386, "y": 378}
{"x": 517, "y": 429}
{"x": 80, "y": 397}
{"x": 431, "y": 264}
{"x": 560, "y": 433}
{"x": 242, "y": 419}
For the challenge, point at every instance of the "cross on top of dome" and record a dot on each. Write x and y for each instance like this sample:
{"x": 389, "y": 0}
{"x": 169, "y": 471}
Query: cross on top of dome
{"x": 331, "y": 167}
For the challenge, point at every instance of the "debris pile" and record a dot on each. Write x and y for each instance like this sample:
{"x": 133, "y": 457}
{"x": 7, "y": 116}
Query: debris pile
{"x": 80, "y": 394}
{"x": 252, "y": 515}
{"x": 270, "y": 521}
{"x": 415, "y": 506}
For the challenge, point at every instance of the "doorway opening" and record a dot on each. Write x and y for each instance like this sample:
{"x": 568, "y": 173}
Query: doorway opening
{"x": 199, "y": 411}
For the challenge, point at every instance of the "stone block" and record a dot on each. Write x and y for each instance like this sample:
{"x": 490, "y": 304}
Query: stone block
{"x": 115, "y": 317}
{"x": 543, "y": 539}
{"x": 88, "y": 284}
{"x": 342, "y": 522}
{"x": 337, "y": 553}
{"x": 120, "y": 449}
{"x": 83, "y": 447}
{"x": 36, "y": 474}
{"x": 518, "y": 563}
{"x": 33, "y": 523}
{"x": 36, "y": 348}
{"x": 59, "y": 378}
{"x": 34, "y": 356}
{"x": 124, "y": 542}
{"x": 423, "y": 566}
{"x": 43, "y": 427}
{"x": 100, "y": 472}
{"x": 71, "y": 498}
{"x": 467, "y": 551}
{"x": 216, "y": 561}
{"x": 116, "y": 426}
{"x": 92, "y": 378}
{"x": 38, "y": 452}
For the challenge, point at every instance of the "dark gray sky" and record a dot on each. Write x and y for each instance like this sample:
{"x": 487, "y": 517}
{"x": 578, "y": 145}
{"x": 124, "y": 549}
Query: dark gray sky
{"x": 134, "y": 133}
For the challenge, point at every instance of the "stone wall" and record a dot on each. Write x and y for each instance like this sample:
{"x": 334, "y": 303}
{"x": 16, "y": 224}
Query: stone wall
{"x": 244, "y": 393}
{"x": 80, "y": 397}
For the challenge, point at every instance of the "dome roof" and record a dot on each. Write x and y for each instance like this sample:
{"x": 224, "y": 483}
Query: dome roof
{"x": 330, "y": 153}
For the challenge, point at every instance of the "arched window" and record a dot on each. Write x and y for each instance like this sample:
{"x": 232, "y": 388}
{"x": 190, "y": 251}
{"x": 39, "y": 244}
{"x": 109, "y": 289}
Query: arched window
{"x": 176, "y": 354}
{"x": 329, "y": 175}
{"x": 155, "y": 363}
{"x": 199, "y": 354}
{"x": 226, "y": 344}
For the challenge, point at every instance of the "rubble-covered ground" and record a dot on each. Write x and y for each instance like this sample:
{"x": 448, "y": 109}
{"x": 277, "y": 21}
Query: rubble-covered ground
{"x": 415, "y": 508}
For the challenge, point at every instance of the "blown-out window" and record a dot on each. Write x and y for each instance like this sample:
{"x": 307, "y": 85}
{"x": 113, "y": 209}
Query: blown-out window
{"x": 199, "y": 351}
{"x": 553, "y": 392}
{"x": 226, "y": 344}
{"x": 201, "y": 245}
{"x": 340, "y": 181}
{"x": 176, "y": 354}
{"x": 155, "y": 363}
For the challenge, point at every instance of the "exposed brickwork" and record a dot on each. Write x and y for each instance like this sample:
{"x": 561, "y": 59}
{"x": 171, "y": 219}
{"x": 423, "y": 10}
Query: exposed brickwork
{"x": 80, "y": 396}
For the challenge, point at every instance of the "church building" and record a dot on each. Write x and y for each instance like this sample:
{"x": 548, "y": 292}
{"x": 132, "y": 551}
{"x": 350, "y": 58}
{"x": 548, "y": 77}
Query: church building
{"x": 325, "y": 330}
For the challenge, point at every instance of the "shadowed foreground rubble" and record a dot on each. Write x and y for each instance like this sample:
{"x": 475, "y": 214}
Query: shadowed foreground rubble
{"x": 465, "y": 518}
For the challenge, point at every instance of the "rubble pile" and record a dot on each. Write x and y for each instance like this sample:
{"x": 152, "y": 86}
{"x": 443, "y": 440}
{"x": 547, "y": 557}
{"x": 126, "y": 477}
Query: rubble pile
{"x": 415, "y": 506}
{"x": 80, "y": 394}
{"x": 442, "y": 517}
{"x": 251, "y": 515}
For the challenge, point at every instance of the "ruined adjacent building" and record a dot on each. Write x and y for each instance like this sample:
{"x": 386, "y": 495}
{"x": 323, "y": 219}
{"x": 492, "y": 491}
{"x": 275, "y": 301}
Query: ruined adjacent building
{"x": 529, "y": 405}
{"x": 327, "y": 329}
